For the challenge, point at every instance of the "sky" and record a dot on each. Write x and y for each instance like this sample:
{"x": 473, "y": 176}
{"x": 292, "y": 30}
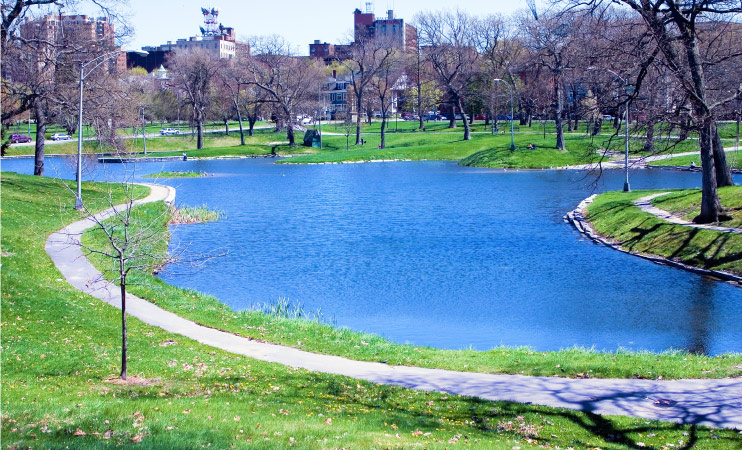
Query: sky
{"x": 301, "y": 22}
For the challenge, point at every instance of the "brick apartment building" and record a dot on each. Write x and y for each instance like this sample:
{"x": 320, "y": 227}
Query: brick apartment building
{"x": 55, "y": 28}
{"x": 365, "y": 24}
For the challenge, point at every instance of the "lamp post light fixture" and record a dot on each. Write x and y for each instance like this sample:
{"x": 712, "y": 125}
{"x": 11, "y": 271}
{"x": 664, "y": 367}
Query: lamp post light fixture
{"x": 97, "y": 61}
{"x": 512, "y": 112}
{"x": 628, "y": 88}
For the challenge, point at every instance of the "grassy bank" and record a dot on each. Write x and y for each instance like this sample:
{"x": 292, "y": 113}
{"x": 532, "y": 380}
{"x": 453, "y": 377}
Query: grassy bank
{"x": 734, "y": 160}
{"x": 614, "y": 215}
{"x": 176, "y": 175}
{"x": 61, "y": 351}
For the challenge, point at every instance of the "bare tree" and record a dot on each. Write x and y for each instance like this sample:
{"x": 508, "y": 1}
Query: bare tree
{"x": 193, "y": 72}
{"x": 551, "y": 39}
{"x": 676, "y": 29}
{"x": 368, "y": 56}
{"x": 289, "y": 83}
{"x": 383, "y": 86}
{"x": 451, "y": 51}
{"x": 131, "y": 245}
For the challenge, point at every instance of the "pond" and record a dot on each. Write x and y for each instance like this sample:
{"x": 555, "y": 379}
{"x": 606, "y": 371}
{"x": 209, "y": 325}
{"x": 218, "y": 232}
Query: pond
{"x": 431, "y": 253}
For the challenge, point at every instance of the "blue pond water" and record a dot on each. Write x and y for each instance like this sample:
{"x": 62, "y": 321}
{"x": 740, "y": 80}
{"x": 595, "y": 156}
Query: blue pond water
{"x": 436, "y": 254}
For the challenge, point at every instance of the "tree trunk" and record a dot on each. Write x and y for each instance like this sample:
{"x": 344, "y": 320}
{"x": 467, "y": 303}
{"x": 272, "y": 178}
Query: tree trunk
{"x": 383, "y": 130}
{"x": 200, "y": 140}
{"x": 452, "y": 117}
{"x": 359, "y": 115}
{"x": 723, "y": 172}
{"x": 40, "y": 116}
{"x": 290, "y": 133}
{"x": 597, "y": 127}
{"x": 559, "y": 94}
{"x": 467, "y": 128}
{"x": 649, "y": 139}
{"x": 123, "y": 326}
{"x": 226, "y": 127}
{"x": 710, "y": 205}
{"x": 239, "y": 121}
{"x": 251, "y": 123}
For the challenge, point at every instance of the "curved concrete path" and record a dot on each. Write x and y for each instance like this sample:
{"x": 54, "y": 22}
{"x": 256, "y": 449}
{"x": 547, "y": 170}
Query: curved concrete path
{"x": 716, "y": 403}
{"x": 645, "y": 204}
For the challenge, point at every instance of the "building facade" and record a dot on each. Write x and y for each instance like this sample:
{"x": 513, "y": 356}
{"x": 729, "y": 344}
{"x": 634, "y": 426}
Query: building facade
{"x": 55, "y": 28}
{"x": 365, "y": 25}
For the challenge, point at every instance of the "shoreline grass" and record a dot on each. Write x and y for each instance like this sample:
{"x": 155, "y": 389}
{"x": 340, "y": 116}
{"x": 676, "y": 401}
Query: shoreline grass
{"x": 186, "y": 215}
{"x": 177, "y": 174}
{"x": 61, "y": 349}
{"x": 614, "y": 215}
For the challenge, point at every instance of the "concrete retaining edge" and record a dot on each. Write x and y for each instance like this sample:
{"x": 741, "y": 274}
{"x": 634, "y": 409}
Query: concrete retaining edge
{"x": 577, "y": 218}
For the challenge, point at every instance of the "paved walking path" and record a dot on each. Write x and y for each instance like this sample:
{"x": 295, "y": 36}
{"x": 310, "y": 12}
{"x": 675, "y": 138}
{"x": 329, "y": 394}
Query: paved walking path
{"x": 645, "y": 204}
{"x": 715, "y": 403}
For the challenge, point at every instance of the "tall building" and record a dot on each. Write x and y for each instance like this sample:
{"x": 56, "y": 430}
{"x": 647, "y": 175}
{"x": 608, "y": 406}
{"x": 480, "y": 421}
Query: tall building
{"x": 215, "y": 39}
{"x": 365, "y": 25}
{"x": 55, "y": 28}
{"x": 400, "y": 34}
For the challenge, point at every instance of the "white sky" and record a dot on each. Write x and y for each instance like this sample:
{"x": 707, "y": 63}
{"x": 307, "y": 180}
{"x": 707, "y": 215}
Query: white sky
{"x": 301, "y": 22}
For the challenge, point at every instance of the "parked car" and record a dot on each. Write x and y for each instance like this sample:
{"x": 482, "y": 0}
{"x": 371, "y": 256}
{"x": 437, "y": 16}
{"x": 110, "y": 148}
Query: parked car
{"x": 480, "y": 117}
{"x": 411, "y": 117}
{"x": 19, "y": 138}
{"x": 460, "y": 117}
{"x": 60, "y": 137}
{"x": 607, "y": 117}
{"x": 168, "y": 131}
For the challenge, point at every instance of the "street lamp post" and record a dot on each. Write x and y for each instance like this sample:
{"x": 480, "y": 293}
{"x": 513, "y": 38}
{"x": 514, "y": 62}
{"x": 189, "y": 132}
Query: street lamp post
{"x": 512, "y": 113}
{"x": 98, "y": 61}
{"x": 144, "y": 131}
{"x": 627, "y": 88}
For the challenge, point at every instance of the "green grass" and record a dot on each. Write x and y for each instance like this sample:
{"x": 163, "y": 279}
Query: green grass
{"x": 613, "y": 214}
{"x": 60, "y": 346}
{"x": 176, "y": 145}
{"x": 451, "y": 147}
{"x": 192, "y": 214}
{"x": 176, "y": 174}
{"x": 686, "y": 204}
{"x": 734, "y": 160}
{"x": 151, "y": 127}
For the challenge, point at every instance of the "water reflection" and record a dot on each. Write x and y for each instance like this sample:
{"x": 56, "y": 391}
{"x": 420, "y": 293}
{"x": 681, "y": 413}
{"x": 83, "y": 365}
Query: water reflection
{"x": 700, "y": 312}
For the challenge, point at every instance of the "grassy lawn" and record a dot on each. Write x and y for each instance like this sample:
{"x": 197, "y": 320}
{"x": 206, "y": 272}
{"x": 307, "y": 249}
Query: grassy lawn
{"x": 151, "y": 127}
{"x": 450, "y": 146}
{"x": 171, "y": 145}
{"x": 686, "y": 204}
{"x": 734, "y": 159}
{"x": 61, "y": 351}
{"x": 613, "y": 214}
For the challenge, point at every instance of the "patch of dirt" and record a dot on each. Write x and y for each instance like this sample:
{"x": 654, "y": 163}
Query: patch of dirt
{"x": 133, "y": 381}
